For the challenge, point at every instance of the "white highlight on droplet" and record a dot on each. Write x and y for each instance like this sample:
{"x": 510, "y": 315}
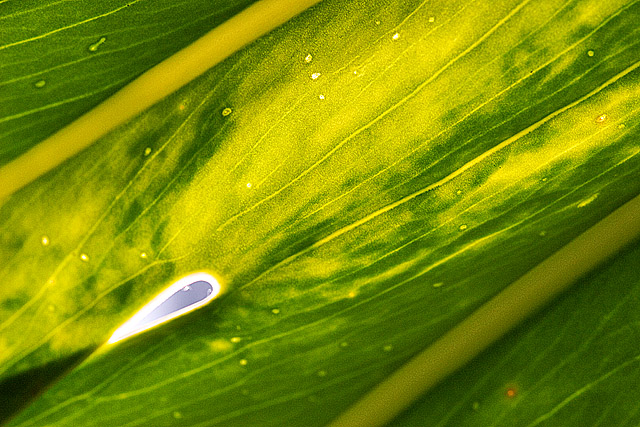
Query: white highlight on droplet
{"x": 135, "y": 326}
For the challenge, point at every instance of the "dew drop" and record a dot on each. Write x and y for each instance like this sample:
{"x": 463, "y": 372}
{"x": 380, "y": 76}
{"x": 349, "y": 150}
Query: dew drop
{"x": 248, "y": 185}
{"x": 181, "y": 297}
{"x": 40, "y": 84}
{"x": 226, "y": 112}
{"x": 432, "y": 19}
{"x": 511, "y": 392}
{"x": 315, "y": 76}
{"x": 236, "y": 339}
{"x": 177, "y": 415}
{"x": 321, "y": 97}
{"x": 544, "y": 179}
{"x": 143, "y": 255}
{"x": 437, "y": 285}
{"x": 84, "y": 257}
{"x": 181, "y": 107}
{"x": 243, "y": 362}
{"x": 621, "y": 126}
{"x": 275, "y": 311}
{"x": 377, "y": 22}
{"x": 462, "y": 227}
{"x": 322, "y": 373}
{"x": 590, "y": 52}
{"x": 45, "y": 241}
{"x": 147, "y": 151}
{"x": 387, "y": 347}
{"x": 396, "y": 36}
{"x": 344, "y": 344}
{"x": 308, "y": 58}
{"x": 601, "y": 118}
{"x": 542, "y": 233}
{"x": 459, "y": 192}
{"x": 94, "y": 47}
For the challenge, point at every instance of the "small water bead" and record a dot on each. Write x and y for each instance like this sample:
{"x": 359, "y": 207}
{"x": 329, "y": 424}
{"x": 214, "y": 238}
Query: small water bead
{"x": 387, "y": 347}
{"x": 438, "y": 285}
{"x": 45, "y": 241}
{"x": 621, "y": 126}
{"x": 396, "y": 36}
{"x": 147, "y": 151}
{"x": 236, "y": 339}
{"x": 542, "y": 233}
{"x": 459, "y": 192}
{"x": 308, "y": 58}
{"x": 84, "y": 257}
{"x": 590, "y": 52}
{"x": 322, "y": 373}
{"x": 315, "y": 76}
{"x": 243, "y": 362}
{"x": 344, "y": 344}
{"x": 377, "y": 22}
{"x": 248, "y": 185}
{"x": 226, "y": 112}
{"x": 94, "y": 47}
{"x": 463, "y": 227}
{"x": 177, "y": 415}
{"x": 321, "y": 97}
{"x": 601, "y": 118}
{"x": 40, "y": 84}
{"x": 432, "y": 19}
{"x": 275, "y": 311}
{"x": 143, "y": 255}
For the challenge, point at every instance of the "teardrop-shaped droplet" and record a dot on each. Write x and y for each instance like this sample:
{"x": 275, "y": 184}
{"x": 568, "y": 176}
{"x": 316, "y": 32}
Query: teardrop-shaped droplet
{"x": 181, "y": 297}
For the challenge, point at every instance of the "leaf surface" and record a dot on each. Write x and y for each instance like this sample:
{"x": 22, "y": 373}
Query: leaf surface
{"x": 359, "y": 181}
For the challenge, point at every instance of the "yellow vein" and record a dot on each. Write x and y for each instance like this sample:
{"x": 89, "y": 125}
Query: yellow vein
{"x": 378, "y": 118}
{"x": 192, "y": 61}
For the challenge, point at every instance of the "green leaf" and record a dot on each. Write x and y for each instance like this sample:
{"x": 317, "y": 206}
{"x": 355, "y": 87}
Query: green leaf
{"x": 574, "y": 364}
{"x": 60, "y": 58}
{"x": 360, "y": 180}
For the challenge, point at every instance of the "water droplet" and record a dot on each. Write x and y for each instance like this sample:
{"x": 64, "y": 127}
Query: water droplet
{"x": 181, "y": 297}
{"x": 181, "y": 107}
{"x": 542, "y": 233}
{"x": 459, "y": 192}
{"x": 355, "y": 72}
{"x": 248, "y": 185}
{"x": 544, "y": 179}
{"x": 315, "y": 76}
{"x": 308, "y": 58}
{"x": 387, "y": 347}
{"x": 396, "y": 36}
{"x": 143, "y": 255}
{"x": 177, "y": 415}
{"x": 432, "y": 19}
{"x": 590, "y": 52}
{"x": 584, "y": 203}
{"x": 236, "y": 339}
{"x": 45, "y": 241}
{"x": 94, "y": 47}
{"x": 40, "y": 84}
{"x": 601, "y": 118}
{"x": 275, "y": 311}
{"x": 226, "y": 112}
{"x": 322, "y": 373}
{"x": 147, "y": 151}
{"x": 437, "y": 285}
{"x": 462, "y": 227}
{"x": 621, "y": 126}
{"x": 84, "y": 257}
{"x": 321, "y": 97}
{"x": 351, "y": 294}
{"x": 243, "y": 362}
{"x": 344, "y": 344}
{"x": 377, "y": 22}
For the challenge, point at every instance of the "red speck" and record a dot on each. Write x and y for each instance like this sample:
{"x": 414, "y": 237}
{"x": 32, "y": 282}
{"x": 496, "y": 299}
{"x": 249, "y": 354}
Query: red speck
{"x": 511, "y": 392}
{"x": 601, "y": 118}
